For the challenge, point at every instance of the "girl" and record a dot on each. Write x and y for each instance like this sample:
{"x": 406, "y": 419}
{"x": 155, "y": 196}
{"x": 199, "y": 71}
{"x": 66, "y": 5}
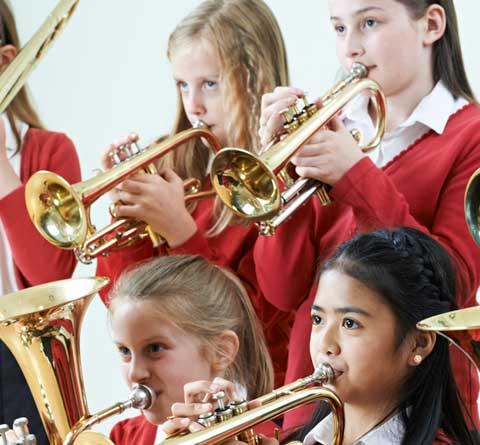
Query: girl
{"x": 176, "y": 319}
{"x": 25, "y": 147}
{"x": 224, "y": 56}
{"x": 416, "y": 177}
{"x": 396, "y": 382}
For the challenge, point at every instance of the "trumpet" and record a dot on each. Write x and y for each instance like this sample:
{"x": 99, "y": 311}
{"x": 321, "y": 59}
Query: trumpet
{"x": 15, "y": 75}
{"x": 61, "y": 212}
{"x": 472, "y": 206}
{"x": 41, "y": 327}
{"x": 236, "y": 419}
{"x": 248, "y": 183}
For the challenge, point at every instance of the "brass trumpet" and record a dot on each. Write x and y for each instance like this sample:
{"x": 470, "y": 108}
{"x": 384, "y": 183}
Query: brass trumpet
{"x": 15, "y": 75}
{"x": 61, "y": 212}
{"x": 41, "y": 327}
{"x": 472, "y": 206}
{"x": 236, "y": 419}
{"x": 248, "y": 183}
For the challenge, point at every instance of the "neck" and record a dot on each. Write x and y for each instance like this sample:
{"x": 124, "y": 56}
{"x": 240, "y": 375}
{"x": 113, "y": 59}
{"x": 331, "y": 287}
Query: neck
{"x": 361, "y": 419}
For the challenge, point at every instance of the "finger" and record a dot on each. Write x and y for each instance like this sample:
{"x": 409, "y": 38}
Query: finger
{"x": 135, "y": 187}
{"x": 280, "y": 93}
{"x": 310, "y": 150}
{"x": 190, "y": 409}
{"x": 310, "y": 172}
{"x": 336, "y": 124}
{"x": 196, "y": 391}
{"x": 130, "y": 211}
{"x": 105, "y": 158}
{"x": 220, "y": 384}
{"x": 174, "y": 426}
{"x": 170, "y": 176}
{"x": 194, "y": 427}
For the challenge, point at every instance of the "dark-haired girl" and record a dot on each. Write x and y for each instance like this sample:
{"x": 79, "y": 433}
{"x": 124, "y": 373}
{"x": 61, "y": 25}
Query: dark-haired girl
{"x": 26, "y": 258}
{"x": 416, "y": 177}
{"x": 395, "y": 381}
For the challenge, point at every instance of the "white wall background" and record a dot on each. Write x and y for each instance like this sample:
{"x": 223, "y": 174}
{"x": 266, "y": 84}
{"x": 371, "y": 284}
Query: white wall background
{"x": 107, "y": 74}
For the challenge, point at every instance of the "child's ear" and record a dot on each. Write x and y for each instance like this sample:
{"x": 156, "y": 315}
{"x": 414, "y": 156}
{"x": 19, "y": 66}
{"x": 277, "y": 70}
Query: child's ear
{"x": 435, "y": 23}
{"x": 7, "y": 54}
{"x": 226, "y": 347}
{"x": 424, "y": 344}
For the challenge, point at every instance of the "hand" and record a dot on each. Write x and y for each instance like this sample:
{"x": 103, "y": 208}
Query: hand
{"x": 329, "y": 154}
{"x": 271, "y": 121}
{"x": 159, "y": 201}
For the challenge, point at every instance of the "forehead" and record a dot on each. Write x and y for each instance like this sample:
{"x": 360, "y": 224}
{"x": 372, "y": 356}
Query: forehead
{"x": 195, "y": 58}
{"x": 350, "y": 8}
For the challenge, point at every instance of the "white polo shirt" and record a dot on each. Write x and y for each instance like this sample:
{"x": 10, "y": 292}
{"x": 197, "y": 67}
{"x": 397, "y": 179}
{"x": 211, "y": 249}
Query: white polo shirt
{"x": 8, "y": 281}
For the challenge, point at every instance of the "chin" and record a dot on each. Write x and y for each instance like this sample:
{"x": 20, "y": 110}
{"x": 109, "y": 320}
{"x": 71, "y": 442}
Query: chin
{"x": 154, "y": 417}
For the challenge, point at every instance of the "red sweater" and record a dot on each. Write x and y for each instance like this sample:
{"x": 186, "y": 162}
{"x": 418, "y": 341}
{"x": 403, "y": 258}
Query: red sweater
{"x": 423, "y": 187}
{"x": 232, "y": 249}
{"x": 36, "y": 260}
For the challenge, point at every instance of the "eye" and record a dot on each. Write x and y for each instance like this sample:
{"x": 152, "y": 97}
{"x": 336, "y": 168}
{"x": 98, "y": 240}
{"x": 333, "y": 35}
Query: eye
{"x": 339, "y": 29}
{"x": 155, "y": 348}
{"x": 182, "y": 86}
{"x": 370, "y": 23}
{"x": 350, "y": 323}
{"x": 124, "y": 352}
{"x": 210, "y": 84}
{"x": 316, "y": 319}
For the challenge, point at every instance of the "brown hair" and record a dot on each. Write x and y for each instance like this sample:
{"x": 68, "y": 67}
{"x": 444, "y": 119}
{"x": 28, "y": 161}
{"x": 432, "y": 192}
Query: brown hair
{"x": 21, "y": 107}
{"x": 202, "y": 300}
{"x": 448, "y": 63}
{"x": 249, "y": 44}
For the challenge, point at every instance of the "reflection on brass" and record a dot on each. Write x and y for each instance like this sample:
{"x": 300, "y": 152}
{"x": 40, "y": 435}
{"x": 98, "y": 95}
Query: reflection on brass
{"x": 249, "y": 184}
{"x": 61, "y": 212}
{"x": 41, "y": 327}
{"x": 461, "y": 328}
{"x": 472, "y": 206}
{"x": 271, "y": 406}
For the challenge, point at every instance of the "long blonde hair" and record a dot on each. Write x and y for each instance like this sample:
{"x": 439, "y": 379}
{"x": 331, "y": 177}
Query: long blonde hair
{"x": 21, "y": 107}
{"x": 249, "y": 45}
{"x": 203, "y": 300}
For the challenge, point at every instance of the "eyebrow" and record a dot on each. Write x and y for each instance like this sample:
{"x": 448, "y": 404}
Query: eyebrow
{"x": 360, "y": 11}
{"x": 343, "y": 310}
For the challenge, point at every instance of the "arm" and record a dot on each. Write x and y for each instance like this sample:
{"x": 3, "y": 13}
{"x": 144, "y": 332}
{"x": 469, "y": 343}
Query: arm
{"x": 37, "y": 260}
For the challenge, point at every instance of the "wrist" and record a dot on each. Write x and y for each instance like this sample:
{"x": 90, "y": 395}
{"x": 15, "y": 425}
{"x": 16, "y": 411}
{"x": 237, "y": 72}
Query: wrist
{"x": 183, "y": 232}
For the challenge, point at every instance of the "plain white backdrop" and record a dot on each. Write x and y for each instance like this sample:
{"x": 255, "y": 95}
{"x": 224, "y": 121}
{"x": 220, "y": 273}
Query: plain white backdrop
{"x": 107, "y": 74}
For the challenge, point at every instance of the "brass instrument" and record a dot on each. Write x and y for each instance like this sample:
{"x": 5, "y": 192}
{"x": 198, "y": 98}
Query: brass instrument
{"x": 472, "y": 206}
{"x": 41, "y": 327}
{"x": 61, "y": 212}
{"x": 236, "y": 419}
{"x": 461, "y": 328}
{"x": 248, "y": 183}
{"x": 15, "y": 75}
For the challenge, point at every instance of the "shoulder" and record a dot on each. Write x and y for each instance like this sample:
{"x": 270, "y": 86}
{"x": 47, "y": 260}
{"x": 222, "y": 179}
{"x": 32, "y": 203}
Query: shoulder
{"x": 132, "y": 430}
{"x": 46, "y": 140}
{"x": 467, "y": 118}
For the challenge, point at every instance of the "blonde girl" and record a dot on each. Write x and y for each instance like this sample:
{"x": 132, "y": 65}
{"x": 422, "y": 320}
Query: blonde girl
{"x": 225, "y": 54}
{"x": 176, "y": 319}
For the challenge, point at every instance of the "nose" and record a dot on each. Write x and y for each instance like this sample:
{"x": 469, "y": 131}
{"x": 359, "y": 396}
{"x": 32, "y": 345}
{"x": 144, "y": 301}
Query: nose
{"x": 353, "y": 46}
{"x": 325, "y": 343}
{"x": 194, "y": 103}
{"x": 138, "y": 371}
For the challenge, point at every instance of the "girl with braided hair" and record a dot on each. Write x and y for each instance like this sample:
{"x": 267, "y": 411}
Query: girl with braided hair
{"x": 396, "y": 381}
{"x": 224, "y": 55}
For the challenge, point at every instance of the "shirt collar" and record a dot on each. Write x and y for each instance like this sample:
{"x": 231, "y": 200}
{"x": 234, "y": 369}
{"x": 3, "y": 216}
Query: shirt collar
{"x": 433, "y": 111}
{"x": 390, "y": 432}
{"x": 10, "y": 139}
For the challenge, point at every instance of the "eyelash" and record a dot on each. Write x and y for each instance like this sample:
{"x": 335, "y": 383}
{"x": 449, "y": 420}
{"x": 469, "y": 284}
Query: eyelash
{"x": 317, "y": 320}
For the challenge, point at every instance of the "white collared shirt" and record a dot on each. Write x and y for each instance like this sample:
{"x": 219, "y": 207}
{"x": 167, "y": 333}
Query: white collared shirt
{"x": 432, "y": 113}
{"x": 388, "y": 433}
{"x": 8, "y": 281}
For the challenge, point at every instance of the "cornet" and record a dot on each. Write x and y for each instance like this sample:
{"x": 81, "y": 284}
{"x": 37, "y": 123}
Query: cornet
{"x": 472, "y": 206}
{"x": 248, "y": 183}
{"x": 236, "y": 419}
{"x": 61, "y": 212}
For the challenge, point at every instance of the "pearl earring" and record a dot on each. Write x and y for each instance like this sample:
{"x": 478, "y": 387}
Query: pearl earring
{"x": 417, "y": 359}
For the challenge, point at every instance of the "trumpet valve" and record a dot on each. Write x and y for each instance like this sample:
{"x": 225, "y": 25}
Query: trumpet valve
{"x": 20, "y": 426}
{"x": 290, "y": 121}
{"x": 223, "y": 412}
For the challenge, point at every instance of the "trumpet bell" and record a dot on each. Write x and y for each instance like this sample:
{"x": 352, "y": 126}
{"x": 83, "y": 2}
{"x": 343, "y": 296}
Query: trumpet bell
{"x": 245, "y": 184}
{"x": 56, "y": 210}
{"x": 472, "y": 206}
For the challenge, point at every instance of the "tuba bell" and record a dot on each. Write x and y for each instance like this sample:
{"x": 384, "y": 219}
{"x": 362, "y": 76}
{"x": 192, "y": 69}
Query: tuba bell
{"x": 472, "y": 206}
{"x": 41, "y": 327}
{"x": 61, "y": 211}
{"x": 248, "y": 184}
{"x": 236, "y": 420}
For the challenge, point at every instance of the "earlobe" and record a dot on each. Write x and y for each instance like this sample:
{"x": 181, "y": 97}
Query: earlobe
{"x": 7, "y": 54}
{"x": 424, "y": 344}
{"x": 435, "y": 24}
{"x": 226, "y": 349}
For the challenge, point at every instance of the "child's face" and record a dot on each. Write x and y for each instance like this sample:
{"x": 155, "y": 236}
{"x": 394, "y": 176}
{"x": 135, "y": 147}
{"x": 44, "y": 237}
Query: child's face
{"x": 381, "y": 35}
{"x": 157, "y": 353}
{"x": 196, "y": 71}
{"x": 354, "y": 332}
